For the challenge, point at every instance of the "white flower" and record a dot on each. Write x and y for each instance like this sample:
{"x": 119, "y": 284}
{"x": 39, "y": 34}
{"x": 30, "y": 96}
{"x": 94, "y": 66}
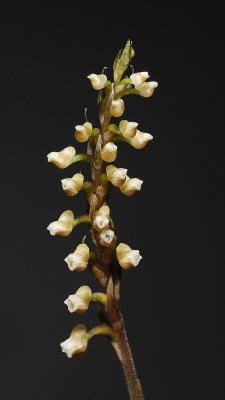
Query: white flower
{"x": 64, "y": 225}
{"x": 128, "y": 129}
{"x": 116, "y": 176}
{"x": 140, "y": 140}
{"x": 83, "y": 132}
{"x": 62, "y": 159}
{"x": 117, "y": 108}
{"x": 79, "y": 259}
{"x": 106, "y": 237}
{"x": 104, "y": 210}
{"x": 109, "y": 152}
{"x": 79, "y": 302}
{"x": 77, "y": 342}
{"x": 98, "y": 81}
{"x": 139, "y": 78}
{"x": 130, "y": 186}
{"x": 72, "y": 186}
{"x": 101, "y": 222}
{"x": 127, "y": 257}
{"x": 131, "y": 259}
{"x": 147, "y": 88}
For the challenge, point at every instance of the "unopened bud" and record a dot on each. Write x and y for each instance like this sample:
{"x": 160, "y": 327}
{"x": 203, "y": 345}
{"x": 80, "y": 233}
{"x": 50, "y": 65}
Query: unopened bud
{"x": 117, "y": 108}
{"x": 64, "y": 225}
{"x": 79, "y": 259}
{"x": 128, "y": 129}
{"x": 109, "y": 152}
{"x": 97, "y": 81}
{"x": 62, "y": 159}
{"x": 79, "y": 302}
{"x": 147, "y": 88}
{"x": 140, "y": 140}
{"x": 132, "y": 53}
{"x": 139, "y": 78}
{"x": 83, "y": 132}
{"x": 106, "y": 237}
{"x": 127, "y": 257}
{"x": 77, "y": 342}
{"x": 116, "y": 176}
{"x": 130, "y": 186}
{"x": 72, "y": 186}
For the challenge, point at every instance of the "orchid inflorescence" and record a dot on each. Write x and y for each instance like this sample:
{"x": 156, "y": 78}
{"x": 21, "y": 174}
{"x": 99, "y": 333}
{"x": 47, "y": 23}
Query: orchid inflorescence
{"x": 109, "y": 259}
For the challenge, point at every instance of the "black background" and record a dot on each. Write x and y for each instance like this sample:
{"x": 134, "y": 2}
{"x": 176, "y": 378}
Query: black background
{"x": 173, "y": 302}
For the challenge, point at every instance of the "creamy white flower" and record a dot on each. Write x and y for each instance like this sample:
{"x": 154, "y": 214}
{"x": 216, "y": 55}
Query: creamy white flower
{"x": 116, "y": 176}
{"x": 62, "y": 159}
{"x": 79, "y": 302}
{"x": 139, "y": 78}
{"x": 128, "y": 129}
{"x": 117, "y": 108}
{"x": 106, "y": 237}
{"x": 131, "y": 259}
{"x": 64, "y": 225}
{"x": 127, "y": 257}
{"x": 77, "y": 342}
{"x": 140, "y": 139}
{"x": 104, "y": 210}
{"x": 83, "y": 132}
{"x": 147, "y": 88}
{"x": 79, "y": 259}
{"x": 101, "y": 222}
{"x": 109, "y": 152}
{"x": 130, "y": 186}
{"x": 74, "y": 302}
{"x": 98, "y": 81}
{"x": 72, "y": 186}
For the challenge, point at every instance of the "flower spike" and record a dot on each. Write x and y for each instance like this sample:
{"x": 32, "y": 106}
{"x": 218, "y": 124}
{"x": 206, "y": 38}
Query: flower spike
{"x": 108, "y": 258}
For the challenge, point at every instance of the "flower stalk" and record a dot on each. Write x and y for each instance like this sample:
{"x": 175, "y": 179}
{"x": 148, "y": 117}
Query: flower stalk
{"x": 109, "y": 259}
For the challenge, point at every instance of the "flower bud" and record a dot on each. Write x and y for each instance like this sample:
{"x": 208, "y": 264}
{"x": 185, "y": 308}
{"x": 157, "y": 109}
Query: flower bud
{"x": 77, "y": 342}
{"x": 79, "y": 259}
{"x": 64, "y": 225}
{"x": 79, "y": 302}
{"x": 109, "y": 152}
{"x": 72, "y": 186}
{"x": 83, "y": 132}
{"x": 62, "y": 159}
{"x": 127, "y": 257}
{"x": 147, "y": 88}
{"x": 116, "y": 176}
{"x": 132, "y": 53}
{"x": 128, "y": 129}
{"x": 130, "y": 186}
{"x": 140, "y": 140}
{"x": 101, "y": 219}
{"x": 97, "y": 81}
{"x": 106, "y": 237}
{"x": 117, "y": 108}
{"x": 139, "y": 78}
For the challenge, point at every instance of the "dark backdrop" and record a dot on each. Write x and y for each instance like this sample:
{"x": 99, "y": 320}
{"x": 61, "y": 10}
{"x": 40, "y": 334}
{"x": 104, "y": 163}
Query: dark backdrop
{"x": 173, "y": 301}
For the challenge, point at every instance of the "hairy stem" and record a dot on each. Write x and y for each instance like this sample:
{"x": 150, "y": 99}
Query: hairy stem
{"x": 127, "y": 362}
{"x": 106, "y": 261}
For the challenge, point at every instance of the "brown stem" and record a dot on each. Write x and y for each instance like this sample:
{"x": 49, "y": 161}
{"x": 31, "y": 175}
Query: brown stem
{"x": 106, "y": 261}
{"x": 127, "y": 362}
